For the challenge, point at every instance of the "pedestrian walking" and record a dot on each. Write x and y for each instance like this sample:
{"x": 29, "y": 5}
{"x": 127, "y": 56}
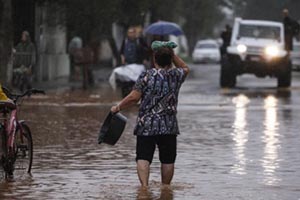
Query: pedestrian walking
{"x": 83, "y": 59}
{"x": 291, "y": 29}
{"x": 74, "y": 45}
{"x": 134, "y": 48}
{"x": 157, "y": 124}
{"x": 226, "y": 37}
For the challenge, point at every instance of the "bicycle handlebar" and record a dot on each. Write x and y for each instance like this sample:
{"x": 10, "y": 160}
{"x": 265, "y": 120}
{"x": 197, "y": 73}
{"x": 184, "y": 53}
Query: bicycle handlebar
{"x": 29, "y": 92}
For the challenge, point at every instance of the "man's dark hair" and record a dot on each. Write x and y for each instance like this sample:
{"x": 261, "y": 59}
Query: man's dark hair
{"x": 163, "y": 57}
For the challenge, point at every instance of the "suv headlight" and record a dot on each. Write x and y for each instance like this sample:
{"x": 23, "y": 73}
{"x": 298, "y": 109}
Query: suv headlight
{"x": 272, "y": 51}
{"x": 241, "y": 48}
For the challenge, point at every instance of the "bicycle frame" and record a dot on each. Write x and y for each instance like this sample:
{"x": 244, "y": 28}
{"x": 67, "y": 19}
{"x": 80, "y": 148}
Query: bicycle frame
{"x": 10, "y": 126}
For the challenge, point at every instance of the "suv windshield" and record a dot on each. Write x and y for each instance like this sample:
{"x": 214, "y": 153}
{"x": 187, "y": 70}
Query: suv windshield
{"x": 206, "y": 46}
{"x": 296, "y": 47}
{"x": 263, "y": 32}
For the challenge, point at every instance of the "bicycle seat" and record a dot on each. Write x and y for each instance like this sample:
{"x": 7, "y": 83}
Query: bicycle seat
{"x": 7, "y": 106}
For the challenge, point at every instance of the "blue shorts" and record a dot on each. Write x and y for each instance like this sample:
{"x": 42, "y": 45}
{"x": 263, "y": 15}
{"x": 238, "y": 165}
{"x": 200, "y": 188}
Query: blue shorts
{"x": 167, "y": 146}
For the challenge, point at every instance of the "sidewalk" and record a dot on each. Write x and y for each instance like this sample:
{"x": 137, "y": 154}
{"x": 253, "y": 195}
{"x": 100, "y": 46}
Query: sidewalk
{"x": 101, "y": 75}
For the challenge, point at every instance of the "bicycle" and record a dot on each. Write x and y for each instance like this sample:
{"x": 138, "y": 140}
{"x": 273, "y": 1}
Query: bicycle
{"x": 16, "y": 144}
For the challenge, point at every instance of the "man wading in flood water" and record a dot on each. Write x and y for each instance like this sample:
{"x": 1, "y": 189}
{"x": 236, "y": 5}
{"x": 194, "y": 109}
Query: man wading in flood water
{"x": 158, "y": 90}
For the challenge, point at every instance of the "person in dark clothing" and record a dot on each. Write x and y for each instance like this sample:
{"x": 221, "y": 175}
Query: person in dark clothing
{"x": 24, "y": 62}
{"x": 84, "y": 57}
{"x": 291, "y": 29}
{"x": 133, "y": 49}
{"x": 226, "y": 37}
{"x": 25, "y": 51}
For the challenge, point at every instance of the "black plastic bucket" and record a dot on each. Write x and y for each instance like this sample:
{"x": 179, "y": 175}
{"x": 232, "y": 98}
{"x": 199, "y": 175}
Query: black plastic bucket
{"x": 112, "y": 128}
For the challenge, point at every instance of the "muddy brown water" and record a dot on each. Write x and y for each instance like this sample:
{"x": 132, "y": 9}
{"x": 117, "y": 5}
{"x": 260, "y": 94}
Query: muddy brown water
{"x": 233, "y": 145}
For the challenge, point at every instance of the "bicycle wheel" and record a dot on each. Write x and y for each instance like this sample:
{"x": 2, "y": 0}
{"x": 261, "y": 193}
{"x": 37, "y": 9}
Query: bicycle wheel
{"x": 2, "y": 151}
{"x": 23, "y": 151}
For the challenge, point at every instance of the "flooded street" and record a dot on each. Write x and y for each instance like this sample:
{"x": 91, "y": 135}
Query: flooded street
{"x": 241, "y": 143}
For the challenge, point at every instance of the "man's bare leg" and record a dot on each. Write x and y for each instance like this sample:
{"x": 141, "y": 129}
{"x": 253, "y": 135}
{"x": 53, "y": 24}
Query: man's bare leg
{"x": 143, "y": 170}
{"x": 167, "y": 172}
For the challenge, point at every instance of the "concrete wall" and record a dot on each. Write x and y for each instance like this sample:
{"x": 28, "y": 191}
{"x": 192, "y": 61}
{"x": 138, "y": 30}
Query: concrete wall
{"x": 54, "y": 66}
{"x": 105, "y": 52}
{"x": 53, "y": 61}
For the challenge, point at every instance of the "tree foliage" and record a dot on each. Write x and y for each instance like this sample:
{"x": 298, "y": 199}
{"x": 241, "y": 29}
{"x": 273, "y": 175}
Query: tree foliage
{"x": 96, "y": 17}
{"x": 201, "y": 21}
{"x": 267, "y": 9}
{"x": 197, "y": 17}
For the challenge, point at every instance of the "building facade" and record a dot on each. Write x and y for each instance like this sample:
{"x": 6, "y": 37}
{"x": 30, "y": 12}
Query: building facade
{"x": 45, "y": 21}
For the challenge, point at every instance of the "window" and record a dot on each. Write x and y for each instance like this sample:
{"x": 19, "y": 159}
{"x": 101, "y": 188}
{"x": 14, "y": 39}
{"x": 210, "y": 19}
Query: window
{"x": 206, "y": 46}
{"x": 257, "y": 31}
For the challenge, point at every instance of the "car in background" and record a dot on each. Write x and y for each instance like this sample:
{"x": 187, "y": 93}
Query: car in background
{"x": 206, "y": 51}
{"x": 295, "y": 56}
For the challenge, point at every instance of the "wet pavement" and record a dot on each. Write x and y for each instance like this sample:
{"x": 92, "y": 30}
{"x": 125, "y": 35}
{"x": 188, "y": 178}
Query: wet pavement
{"x": 241, "y": 143}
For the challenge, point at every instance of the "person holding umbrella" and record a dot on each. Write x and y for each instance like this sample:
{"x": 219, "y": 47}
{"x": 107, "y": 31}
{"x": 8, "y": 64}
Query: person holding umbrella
{"x": 158, "y": 90}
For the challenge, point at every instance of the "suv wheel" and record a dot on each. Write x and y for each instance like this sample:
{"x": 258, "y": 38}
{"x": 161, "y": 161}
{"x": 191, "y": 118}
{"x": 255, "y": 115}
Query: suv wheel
{"x": 227, "y": 75}
{"x": 285, "y": 76}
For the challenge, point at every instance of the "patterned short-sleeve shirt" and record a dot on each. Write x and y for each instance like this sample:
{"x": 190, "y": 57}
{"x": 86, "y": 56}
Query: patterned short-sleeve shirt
{"x": 158, "y": 109}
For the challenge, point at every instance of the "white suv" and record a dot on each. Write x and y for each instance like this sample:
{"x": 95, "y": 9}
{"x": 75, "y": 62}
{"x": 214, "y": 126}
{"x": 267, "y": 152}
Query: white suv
{"x": 256, "y": 47}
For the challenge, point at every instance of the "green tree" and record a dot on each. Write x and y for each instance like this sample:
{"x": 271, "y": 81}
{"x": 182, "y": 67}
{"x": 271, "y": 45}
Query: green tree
{"x": 93, "y": 20}
{"x": 200, "y": 19}
{"x": 162, "y": 10}
{"x": 270, "y": 9}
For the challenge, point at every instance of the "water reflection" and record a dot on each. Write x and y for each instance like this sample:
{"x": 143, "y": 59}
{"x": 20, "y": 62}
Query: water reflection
{"x": 144, "y": 194}
{"x": 240, "y": 133}
{"x": 271, "y": 140}
{"x": 166, "y": 193}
